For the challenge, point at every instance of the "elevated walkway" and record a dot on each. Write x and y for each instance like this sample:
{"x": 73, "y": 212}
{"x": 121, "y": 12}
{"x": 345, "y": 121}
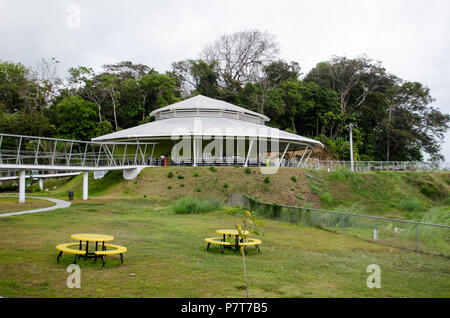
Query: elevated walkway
{"x": 25, "y": 153}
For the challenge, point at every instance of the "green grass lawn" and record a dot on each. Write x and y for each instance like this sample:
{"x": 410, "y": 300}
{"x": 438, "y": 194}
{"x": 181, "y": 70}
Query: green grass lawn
{"x": 166, "y": 252}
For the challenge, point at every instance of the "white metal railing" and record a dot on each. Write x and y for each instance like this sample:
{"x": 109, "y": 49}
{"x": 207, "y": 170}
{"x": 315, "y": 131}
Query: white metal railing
{"x": 375, "y": 165}
{"x": 20, "y": 150}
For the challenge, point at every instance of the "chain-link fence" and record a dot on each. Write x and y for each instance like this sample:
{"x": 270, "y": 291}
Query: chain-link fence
{"x": 418, "y": 236}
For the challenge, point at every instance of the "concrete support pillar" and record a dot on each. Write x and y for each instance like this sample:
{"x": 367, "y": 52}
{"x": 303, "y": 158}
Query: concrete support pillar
{"x": 85, "y": 185}
{"x": 41, "y": 184}
{"x": 194, "y": 152}
{"x": 22, "y": 186}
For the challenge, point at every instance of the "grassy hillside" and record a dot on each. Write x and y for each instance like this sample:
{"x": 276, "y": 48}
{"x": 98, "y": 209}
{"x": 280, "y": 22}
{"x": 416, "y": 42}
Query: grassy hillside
{"x": 406, "y": 195}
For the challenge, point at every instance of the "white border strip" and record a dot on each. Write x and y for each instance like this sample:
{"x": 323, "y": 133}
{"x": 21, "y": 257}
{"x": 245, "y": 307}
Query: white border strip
{"x": 60, "y": 204}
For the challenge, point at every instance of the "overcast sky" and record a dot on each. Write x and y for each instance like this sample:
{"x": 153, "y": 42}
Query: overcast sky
{"x": 410, "y": 38}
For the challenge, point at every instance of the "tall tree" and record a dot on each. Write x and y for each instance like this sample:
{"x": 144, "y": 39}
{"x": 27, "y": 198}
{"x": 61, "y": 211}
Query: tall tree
{"x": 352, "y": 79}
{"x": 196, "y": 77}
{"x": 110, "y": 84}
{"x": 241, "y": 56}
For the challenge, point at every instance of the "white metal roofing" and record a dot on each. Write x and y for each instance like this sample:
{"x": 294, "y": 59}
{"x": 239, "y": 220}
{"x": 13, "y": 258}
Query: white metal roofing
{"x": 203, "y": 103}
{"x": 205, "y": 126}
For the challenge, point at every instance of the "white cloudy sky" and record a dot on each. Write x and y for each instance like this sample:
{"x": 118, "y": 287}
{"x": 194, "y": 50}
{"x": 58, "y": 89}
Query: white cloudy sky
{"x": 411, "y": 38}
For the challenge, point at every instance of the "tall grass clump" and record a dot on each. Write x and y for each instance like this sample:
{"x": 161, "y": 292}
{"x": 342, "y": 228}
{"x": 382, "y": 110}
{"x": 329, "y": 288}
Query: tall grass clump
{"x": 325, "y": 198}
{"x": 409, "y": 204}
{"x": 433, "y": 237}
{"x": 343, "y": 175}
{"x": 195, "y": 206}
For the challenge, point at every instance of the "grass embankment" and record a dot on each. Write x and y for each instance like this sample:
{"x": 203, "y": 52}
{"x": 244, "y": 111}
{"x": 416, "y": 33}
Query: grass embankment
{"x": 166, "y": 252}
{"x": 11, "y": 204}
{"x": 406, "y": 195}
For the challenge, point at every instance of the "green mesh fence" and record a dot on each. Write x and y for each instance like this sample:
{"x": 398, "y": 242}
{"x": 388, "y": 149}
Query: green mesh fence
{"x": 429, "y": 238}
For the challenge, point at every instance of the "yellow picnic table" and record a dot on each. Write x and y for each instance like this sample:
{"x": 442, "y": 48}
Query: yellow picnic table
{"x": 91, "y": 238}
{"x": 234, "y": 233}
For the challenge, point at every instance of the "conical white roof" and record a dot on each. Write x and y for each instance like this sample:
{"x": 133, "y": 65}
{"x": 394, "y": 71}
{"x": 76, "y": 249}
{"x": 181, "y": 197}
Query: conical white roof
{"x": 204, "y": 105}
{"x": 203, "y": 116}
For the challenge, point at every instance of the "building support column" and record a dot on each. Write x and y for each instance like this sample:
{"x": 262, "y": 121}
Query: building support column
{"x": 85, "y": 185}
{"x": 22, "y": 186}
{"x": 307, "y": 158}
{"x": 248, "y": 154}
{"x": 303, "y": 155}
{"x": 194, "y": 151}
{"x": 284, "y": 153}
{"x": 41, "y": 184}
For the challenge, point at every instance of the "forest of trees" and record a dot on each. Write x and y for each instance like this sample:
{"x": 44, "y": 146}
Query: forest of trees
{"x": 394, "y": 118}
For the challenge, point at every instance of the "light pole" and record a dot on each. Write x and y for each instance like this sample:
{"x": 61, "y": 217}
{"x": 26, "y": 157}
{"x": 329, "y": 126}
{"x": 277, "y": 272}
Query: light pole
{"x": 350, "y": 127}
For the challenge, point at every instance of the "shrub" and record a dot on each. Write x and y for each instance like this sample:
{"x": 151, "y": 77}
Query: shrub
{"x": 194, "y": 206}
{"x": 325, "y": 198}
{"x": 196, "y": 174}
{"x": 294, "y": 178}
{"x": 248, "y": 170}
{"x": 198, "y": 189}
{"x": 180, "y": 176}
{"x": 170, "y": 174}
{"x": 212, "y": 169}
{"x": 182, "y": 185}
{"x": 315, "y": 188}
{"x": 299, "y": 196}
{"x": 430, "y": 191}
{"x": 225, "y": 185}
{"x": 409, "y": 204}
{"x": 266, "y": 180}
{"x": 169, "y": 187}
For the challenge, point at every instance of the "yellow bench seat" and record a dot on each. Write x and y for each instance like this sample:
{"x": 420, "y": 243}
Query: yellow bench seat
{"x": 250, "y": 242}
{"x": 217, "y": 241}
{"x": 66, "y": 248}
{"x": 116, "y": 249}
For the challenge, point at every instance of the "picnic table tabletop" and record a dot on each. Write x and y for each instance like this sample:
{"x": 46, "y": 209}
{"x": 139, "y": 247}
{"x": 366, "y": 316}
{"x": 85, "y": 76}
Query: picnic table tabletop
{"x": 231, "y": 232}
{"x": 92, "y": 237}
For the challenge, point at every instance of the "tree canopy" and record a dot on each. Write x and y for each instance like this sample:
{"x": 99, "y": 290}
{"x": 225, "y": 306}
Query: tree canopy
{"x": 395, "y": 119}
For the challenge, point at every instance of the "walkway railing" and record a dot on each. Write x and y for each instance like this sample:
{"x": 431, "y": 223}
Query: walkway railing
{"x": 372, "y": 165}
{"x": 40, "y": 151}
{"x": 417, "y": 236}
{"x": 312, "y": 163}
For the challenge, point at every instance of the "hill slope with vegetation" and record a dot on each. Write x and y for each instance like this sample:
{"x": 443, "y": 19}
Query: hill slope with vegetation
{"x": 406, "y": 195}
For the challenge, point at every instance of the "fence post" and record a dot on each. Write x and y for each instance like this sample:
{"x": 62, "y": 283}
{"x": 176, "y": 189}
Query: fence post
{"x": 417, "y": 237}
{"x": 292, "y": 215}
{"x": 342, "y": 223}
{"x": 376, "y": 230}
